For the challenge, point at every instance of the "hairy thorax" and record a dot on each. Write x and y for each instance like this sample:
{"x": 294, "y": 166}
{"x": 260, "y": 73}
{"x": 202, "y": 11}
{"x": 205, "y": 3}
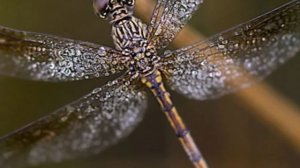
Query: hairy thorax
{"x": 130, "y": 37}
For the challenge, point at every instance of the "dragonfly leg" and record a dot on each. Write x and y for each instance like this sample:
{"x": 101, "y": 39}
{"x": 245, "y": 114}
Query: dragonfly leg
{"x": 154, "y": 82}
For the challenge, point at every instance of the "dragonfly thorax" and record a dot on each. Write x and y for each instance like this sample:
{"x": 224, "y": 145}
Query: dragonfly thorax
{"x": 142, "y": 60}
{"x": 129, "y": 34}
{"x": 130, "y": 37}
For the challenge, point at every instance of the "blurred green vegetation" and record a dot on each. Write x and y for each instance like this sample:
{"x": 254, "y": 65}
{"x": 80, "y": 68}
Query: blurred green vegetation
{"x": 228, "y": 135}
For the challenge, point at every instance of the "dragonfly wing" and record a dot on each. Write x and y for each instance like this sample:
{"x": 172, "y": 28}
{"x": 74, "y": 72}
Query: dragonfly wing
{"x": 50, "y": 58}
{"x": 168, "y": 18}
{"x": 224, "y": 62}
{"x": 86, "y": 126}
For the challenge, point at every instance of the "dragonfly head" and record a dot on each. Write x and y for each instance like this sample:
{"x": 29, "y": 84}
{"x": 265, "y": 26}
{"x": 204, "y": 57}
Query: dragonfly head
{"x": 113, "y": 9}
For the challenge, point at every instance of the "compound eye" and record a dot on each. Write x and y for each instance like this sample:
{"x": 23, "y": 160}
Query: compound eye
{"x": 101, "y": 7}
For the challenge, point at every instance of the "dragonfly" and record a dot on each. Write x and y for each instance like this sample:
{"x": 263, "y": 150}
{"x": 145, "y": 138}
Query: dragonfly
{"x": 222, "y": 64}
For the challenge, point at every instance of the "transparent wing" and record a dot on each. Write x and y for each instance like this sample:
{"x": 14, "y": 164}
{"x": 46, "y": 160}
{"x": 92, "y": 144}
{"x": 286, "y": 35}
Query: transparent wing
{"x": 224, "y": 62}
{"x": 168, "y": 19}
{"x": 50, "y": 58}
{"x": 86, "y": 126}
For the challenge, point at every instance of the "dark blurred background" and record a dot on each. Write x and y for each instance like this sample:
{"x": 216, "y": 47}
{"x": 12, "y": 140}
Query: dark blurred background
{"x": 226, "y": 130}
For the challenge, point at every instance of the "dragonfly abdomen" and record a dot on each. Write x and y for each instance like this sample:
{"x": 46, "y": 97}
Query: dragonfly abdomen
{"x": 154, "y": 82}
